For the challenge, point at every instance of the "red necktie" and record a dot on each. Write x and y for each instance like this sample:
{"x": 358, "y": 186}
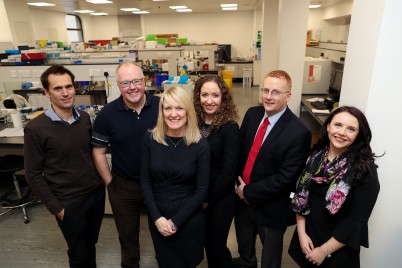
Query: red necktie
{"x": 252, "y": 155}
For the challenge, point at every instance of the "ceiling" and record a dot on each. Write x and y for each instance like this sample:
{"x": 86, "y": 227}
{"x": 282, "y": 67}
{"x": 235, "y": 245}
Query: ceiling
{"x": 158, "y": 7}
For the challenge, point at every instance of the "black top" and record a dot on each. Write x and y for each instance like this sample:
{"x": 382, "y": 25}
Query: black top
{"x": 58, "y": 160}
{"x": 174, "y": 180}
{"x": 348, "y": 225}
{"x": 123, "y": 129}
{"x": 224, "y": 144}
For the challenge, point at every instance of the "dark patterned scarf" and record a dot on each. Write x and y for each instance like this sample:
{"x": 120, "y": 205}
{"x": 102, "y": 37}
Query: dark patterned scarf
{"x": 336, "y": 173}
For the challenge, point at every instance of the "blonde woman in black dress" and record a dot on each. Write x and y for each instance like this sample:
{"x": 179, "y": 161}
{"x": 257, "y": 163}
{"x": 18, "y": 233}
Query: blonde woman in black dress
{"x": 175, "y": 166}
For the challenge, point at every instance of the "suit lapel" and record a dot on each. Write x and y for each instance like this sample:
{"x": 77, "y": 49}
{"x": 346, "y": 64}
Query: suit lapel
{"x": 274, "y": 133}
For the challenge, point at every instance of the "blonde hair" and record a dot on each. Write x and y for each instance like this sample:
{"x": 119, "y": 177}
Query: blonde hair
{"x": 128, "y": 63}
{"x": 183, "y": 99}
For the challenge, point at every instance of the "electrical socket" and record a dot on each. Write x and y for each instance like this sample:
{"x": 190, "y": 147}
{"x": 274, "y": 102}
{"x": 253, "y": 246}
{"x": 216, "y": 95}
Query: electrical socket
{"x": 95, "y": 72}
{"x": 112, "y": 72}
{"x": 25, "y": 73}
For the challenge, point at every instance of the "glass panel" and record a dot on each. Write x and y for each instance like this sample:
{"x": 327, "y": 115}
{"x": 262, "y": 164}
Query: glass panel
{"x": 74, "y": 36}
{"x": 72, "y": 22}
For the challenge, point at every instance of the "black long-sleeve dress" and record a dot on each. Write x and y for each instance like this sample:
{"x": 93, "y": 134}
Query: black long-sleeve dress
{"x": 174, "y": 181}
{"x": 348, "y": 225}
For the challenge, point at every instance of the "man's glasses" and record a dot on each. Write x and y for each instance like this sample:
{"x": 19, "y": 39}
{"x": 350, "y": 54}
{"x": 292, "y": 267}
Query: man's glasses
{"x": 273, "y": 92}
{"x": 135, "y": 82}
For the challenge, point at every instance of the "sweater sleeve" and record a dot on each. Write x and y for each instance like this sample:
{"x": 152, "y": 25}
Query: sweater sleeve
{"x": 226, "y": 175}
{"x": 34, "y": 158}
{"x": 201, "y": 187}
{"x": 145, "y": 179}
{"x": 353, "y": 230}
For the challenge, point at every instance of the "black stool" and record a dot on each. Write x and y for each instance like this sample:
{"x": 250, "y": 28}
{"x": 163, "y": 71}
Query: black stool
{"x": 19, "y": 197}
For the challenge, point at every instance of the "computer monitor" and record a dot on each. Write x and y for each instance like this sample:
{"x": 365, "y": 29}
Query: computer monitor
{"x": 224, "y": 53}
{"x": 336, "y": 84}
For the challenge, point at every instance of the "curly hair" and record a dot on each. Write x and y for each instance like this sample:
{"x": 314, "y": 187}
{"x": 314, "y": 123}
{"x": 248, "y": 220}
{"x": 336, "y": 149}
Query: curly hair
{"x": 227, "y": 112}
{"x": 361, "y": 155}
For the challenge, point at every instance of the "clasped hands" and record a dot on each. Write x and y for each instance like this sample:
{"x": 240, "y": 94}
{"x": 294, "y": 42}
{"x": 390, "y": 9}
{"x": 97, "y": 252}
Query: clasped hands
{"x": 165, "y": 227}
{"x": 314, "y": 255}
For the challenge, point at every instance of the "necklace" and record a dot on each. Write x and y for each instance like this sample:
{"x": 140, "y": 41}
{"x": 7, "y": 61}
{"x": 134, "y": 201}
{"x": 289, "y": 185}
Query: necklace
{"x": 177, "y": 143}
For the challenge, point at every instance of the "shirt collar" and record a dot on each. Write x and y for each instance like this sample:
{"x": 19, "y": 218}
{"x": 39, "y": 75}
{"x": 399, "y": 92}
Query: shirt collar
{"x": 274, "y": 118}
{"x": 54, "y": 117}
{"x": 121, "y": 105}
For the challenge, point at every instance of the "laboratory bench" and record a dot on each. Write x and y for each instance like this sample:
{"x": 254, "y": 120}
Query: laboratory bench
{"x": 306, "y": 106}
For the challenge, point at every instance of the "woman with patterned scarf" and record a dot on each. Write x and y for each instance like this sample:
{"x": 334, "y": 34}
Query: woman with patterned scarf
{"x": 336, "y": 194}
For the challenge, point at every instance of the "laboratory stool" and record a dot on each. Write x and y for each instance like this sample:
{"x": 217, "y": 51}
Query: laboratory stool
{"x": 247, "y": 77}
{"x": 12, "y": 166}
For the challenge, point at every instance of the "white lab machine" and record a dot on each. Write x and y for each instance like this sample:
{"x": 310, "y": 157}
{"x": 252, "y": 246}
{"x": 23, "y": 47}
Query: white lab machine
{"x": 316, "y": 76}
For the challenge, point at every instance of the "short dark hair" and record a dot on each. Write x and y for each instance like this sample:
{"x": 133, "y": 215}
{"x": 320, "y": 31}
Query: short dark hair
{"x": 54, "y": 69}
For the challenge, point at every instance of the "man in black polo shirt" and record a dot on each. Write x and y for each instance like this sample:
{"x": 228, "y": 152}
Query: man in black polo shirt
{"x": 121, "y": 124}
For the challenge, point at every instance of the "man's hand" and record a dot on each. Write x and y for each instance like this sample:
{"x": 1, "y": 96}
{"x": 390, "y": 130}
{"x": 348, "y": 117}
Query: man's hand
{"x": 240, "y": 188}
{"x": 60, "y": 215}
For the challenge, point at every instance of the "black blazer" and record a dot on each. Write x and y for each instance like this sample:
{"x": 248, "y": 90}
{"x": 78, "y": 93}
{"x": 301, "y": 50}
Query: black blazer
{"x": 277, "y": 167}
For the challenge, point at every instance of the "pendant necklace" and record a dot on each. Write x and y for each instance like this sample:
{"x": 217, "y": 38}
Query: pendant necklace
{"x": 177, "y": 143}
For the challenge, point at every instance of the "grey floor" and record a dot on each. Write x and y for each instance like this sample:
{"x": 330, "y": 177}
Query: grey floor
{"x": 40, "y": 244}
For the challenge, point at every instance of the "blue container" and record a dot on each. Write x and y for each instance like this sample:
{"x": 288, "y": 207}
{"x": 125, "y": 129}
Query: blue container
{"x": 160, "y": 78}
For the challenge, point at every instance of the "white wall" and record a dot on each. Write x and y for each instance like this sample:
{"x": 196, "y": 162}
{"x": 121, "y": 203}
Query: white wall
{"x": 19, "y": 22}
{"x": 234, "y": 28}
{"x": 48, "y": 25}
{"x": 372, "y": 82}
{"x": 332, "y": 22}
{"x": 5, "y": 35}
{"x": 100, "y": 27}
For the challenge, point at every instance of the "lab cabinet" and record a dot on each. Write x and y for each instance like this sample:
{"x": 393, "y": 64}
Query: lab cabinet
{"x": 237, "y": 68}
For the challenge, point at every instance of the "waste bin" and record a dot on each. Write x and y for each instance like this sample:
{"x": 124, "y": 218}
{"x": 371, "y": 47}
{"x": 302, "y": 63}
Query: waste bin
{"x": 227, "y": 76}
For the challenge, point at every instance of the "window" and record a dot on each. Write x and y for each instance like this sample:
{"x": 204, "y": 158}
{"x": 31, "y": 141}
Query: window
{"x": 74, "y": 28}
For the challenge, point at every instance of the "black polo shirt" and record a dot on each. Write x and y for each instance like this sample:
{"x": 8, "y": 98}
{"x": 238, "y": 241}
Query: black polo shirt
{"x": 123, "y": 128}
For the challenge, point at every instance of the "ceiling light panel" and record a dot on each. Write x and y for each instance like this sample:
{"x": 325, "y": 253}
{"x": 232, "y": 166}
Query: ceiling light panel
{"x": 141, "y": 12}
{"x": 130, "y": 9}
{"x": 41, "y": 4}
{"x": 184, "y": 10}
{"x": 228, "y": 5}
{"x": 84, "y": 11}
{"x": 99, "y": 1}
{"x": 229, "y": 8}
{"x": 99, "y": 14}
{"x": 178, "y": 7}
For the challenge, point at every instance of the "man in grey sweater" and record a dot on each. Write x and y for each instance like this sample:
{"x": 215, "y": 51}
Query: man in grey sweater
{"x": 60, "y": 170}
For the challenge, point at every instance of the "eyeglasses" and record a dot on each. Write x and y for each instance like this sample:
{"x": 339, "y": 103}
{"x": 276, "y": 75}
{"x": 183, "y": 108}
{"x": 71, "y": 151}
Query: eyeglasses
{"x": 273, "y": 92}
{"x": 135, "y": 82}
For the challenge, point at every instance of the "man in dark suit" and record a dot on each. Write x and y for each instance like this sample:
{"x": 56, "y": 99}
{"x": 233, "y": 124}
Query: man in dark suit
{"x": 273, "y": 153}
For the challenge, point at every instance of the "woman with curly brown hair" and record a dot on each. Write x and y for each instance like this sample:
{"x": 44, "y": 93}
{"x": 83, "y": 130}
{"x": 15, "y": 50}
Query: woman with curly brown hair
{"x": 217, "y": 115}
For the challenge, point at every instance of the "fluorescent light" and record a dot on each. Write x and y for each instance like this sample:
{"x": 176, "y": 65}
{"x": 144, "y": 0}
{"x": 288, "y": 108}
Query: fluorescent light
{"x": 314, "y": 6}
{"x": 229, "y": 8}
{"x": 160, "y": 0}
{"x": 141, "y": 12}
{"x": 84, "y": 11}
{"x": 178, "y": 7}
{"x": 184, "y": 10}
{"x": 228, "y": 5}
{"x": 41, "y": 4}
{"x": 129, "y": 9}
{"x": 99, "y": 1}
{"x": 99, "y": 14}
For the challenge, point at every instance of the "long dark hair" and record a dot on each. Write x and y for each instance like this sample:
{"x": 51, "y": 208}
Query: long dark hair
{"x": 360, "y": 153}
{"x": 227, "y": 111}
